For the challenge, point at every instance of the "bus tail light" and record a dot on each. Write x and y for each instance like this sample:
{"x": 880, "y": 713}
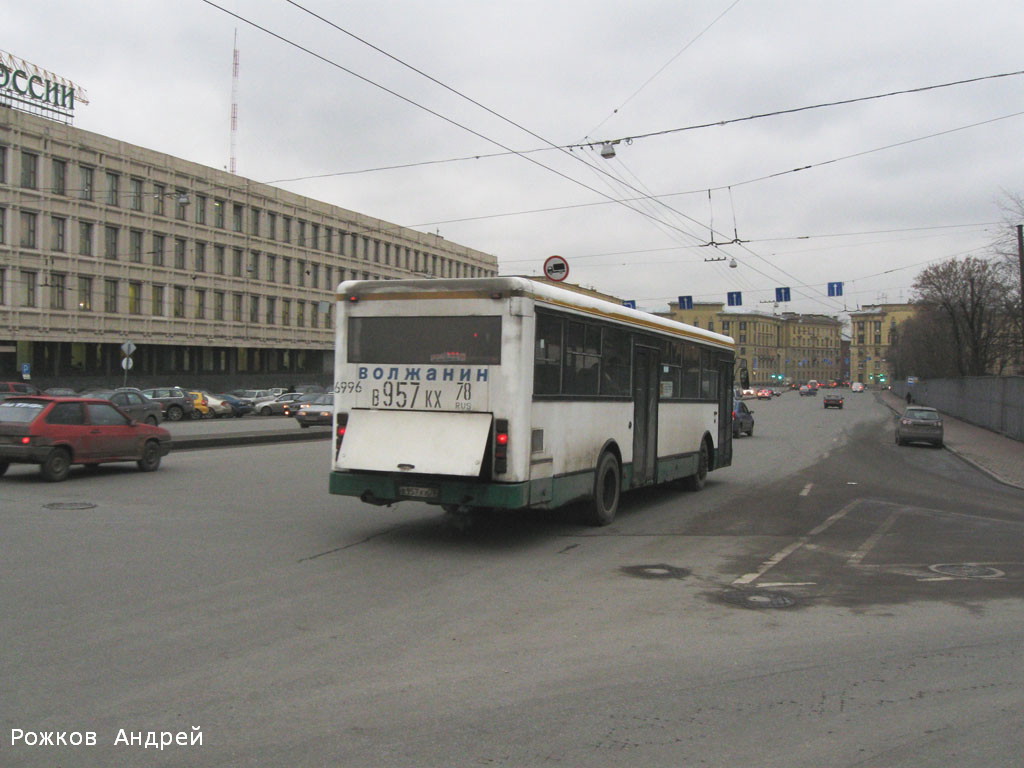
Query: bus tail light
{"x": 339, "y": 434}
{"x": 500, "y": 446}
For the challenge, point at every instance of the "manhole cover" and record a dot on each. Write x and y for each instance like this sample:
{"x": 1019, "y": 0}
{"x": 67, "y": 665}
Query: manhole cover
{"x": 656, "y": 571}
{"x": 70, "y": 505}
{"x": 967, "y": 571}
{"x": 759, "y": 599}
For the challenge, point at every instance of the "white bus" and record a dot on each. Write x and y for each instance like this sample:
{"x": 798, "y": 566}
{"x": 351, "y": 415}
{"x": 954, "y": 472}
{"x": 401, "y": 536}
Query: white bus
{"x": 505, "y": 392}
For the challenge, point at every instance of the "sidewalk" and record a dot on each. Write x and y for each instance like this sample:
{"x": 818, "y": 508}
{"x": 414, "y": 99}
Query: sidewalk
{"x": 1000, "y": 457}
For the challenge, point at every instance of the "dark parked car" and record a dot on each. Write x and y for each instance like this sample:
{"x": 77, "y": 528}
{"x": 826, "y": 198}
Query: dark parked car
{"x": 919, "y": 424}
{"x": 320, "y": 410}
{"x": 132, "y": 402}
{"x": 176, "y": 402}
{"x": 833, "y": 400}
{"x": 239, "y": 405}
{"x": 742, "y": 419}
{"x": 56, "y": 432}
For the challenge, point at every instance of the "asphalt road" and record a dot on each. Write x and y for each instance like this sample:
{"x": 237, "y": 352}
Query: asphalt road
{"x": 830, "y": 600}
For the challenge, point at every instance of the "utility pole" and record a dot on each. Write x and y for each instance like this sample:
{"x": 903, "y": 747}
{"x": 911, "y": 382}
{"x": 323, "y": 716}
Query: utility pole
{"x": 1020, "y": 257}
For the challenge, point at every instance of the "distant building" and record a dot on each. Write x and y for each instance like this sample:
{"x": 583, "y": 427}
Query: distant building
{"x": 874, "y": 331}
{"x": 212, "y": 276}
{"x": 774, "y": 348}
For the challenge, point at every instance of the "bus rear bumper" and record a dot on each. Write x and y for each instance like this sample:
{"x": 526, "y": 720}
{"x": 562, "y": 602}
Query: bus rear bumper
{"x": 385, "y": 489}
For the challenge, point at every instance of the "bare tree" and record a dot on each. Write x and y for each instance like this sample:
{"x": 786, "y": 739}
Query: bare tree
{"x": 922, "y": 347}
{"x": 969, "y": 299}
{"x": 1009, "y": 249}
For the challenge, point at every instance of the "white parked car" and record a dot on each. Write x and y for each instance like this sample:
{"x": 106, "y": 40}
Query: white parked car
{"x": 857, "y": 387}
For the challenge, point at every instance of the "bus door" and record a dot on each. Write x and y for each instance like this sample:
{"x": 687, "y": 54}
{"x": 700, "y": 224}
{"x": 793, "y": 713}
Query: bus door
{"x": 723, "y": 456}
{"x": 645, "y": 415}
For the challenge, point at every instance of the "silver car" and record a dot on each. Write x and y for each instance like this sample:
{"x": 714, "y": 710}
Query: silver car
{"x": 919, "y": 424}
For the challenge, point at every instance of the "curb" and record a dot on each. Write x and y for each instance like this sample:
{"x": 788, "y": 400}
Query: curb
{"x": 248, "y": 438}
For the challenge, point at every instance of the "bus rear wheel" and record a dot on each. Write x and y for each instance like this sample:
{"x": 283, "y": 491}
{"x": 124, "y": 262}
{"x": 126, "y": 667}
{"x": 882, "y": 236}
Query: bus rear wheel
{"x": 607, "y": 490}
{"x": 695, "y": 482}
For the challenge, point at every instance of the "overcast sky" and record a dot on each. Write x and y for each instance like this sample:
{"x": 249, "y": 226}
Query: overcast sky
{"x": 560, "y": 73}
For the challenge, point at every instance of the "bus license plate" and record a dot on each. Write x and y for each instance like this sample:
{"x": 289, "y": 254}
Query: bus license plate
{"x": 419, "y": 491}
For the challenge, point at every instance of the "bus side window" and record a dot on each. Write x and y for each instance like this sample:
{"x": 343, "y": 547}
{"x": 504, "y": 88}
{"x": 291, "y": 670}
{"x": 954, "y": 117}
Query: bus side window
{"x": 547, "y": 356}
{"x": 615, "y": 364}
{"x": 691, "y": 371}
{"x": 582, "y": 359}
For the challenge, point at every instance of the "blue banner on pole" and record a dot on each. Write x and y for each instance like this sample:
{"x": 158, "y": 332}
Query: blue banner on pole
{"x": 782, "y": 294}
{"x": 686, "y": 302}
{"x": 734, "y": 298}
{"x": 835, "y": 289}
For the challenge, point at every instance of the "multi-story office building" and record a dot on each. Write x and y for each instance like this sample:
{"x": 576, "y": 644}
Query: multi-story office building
{"x": 874, "y": 330}
{"x": 788, "y": 347}
{"x": 213, "y": 277}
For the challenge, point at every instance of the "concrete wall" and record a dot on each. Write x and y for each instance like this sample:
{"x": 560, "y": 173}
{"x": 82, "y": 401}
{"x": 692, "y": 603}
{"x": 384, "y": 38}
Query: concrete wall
{"x": 993, "y": 402}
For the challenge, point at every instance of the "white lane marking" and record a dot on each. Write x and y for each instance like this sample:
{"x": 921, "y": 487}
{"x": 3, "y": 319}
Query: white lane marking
{"x": 840, "y": 514}
{"x": 807, "y": 489}
{"x": 873, "y": 539}
{"x": 771, "y": 562}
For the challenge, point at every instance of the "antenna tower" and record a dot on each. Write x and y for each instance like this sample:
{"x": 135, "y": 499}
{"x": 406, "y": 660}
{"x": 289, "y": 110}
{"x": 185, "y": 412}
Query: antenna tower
{"x": 234, "y": 104}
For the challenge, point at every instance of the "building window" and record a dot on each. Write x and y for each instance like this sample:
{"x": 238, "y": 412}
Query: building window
{"x": 59, "y": 227}
{"x": 200, "y": 209}
{"x": 135, "y": 194}
{"x": 113, "y": 183}
{"x": 300, "y": 314}
{"x": 60, "y": 177}
{"x": 159, "y": 243}
{"x": 29, "y": 170}
{"x": 28, "y": 288}
{"x": 236, "y": 218}
{"x": 301, "y": 273}
{"x": 159, "y": 198}
{"x": 271, "y": 268}
{"x": 85, "y": 183}
{"x": 254, "y": 222}
{"x": 271, "y": 225}
{"x": 58, "y": 288}
{"x": 3, "y": 225}
{"x": 85, "y": 293}
{"x": 179, "y": 253}
{"x": 179, "y": 301}
{"x": 314, "y": 236}
{"x": 200, "y": 304}
{"x": 314, "y": 316}
{"x": 301, "y": 241}
{"x": 218, "y": 213}
{"x": 218, "y": 259}
{"x": 286, "y": 270}
{"x": 134, "y": 298}
{"x": 314, "y": 276}
{"x": 254, "y": 265}
{"x": 236, "y": 307}
{"x": 84, "y": 238}
{"x": 110, "y": 242}
{"x": 180, "y": 204}
{"x": 218, "y": 305}
{"x": 254, "y": 309}
{"x": 158, "y": 301}
{"x": 3, "y": 165}
{"x": 236, "y": 262}
{"x": 110, "y": 296}
{"x": 286, "y": 229}
{"x": 271, "y": 310}
{"x": 135, "y": 245}
{"x": 28, "y": 229}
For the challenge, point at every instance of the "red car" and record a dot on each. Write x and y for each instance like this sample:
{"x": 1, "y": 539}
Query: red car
{"x": 56, "y": 432}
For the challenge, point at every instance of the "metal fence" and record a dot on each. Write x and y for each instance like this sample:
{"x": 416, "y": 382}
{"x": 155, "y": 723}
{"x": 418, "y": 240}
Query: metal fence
{"x": 993, "y": 402}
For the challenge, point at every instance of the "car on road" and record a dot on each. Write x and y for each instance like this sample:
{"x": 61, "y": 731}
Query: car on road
{"x": 292, "y": 407}
{"x": 833, "y": 400}
{"x": 764, "y": 394}
{"x": 808, "y": 391}
{"x": 58, "y": 432}
{"x": 318, "y": 411}
{"x": 857, "y": 387}
{"x": 742, "y": 419}
{"x": 920, "y": 424}
{"x": 176, "y": 402}
{"x": 275, "y": 407}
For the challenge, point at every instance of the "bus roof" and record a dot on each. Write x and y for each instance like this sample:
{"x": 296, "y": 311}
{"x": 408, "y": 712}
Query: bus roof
{"x": 543, "y": 293}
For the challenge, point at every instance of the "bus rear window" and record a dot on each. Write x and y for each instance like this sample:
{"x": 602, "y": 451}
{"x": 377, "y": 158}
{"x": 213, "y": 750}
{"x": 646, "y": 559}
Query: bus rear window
{"x": 425, "y": 340}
